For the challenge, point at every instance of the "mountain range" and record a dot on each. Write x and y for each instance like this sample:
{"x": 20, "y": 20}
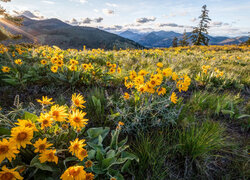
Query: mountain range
{"x": 55, "y": 32}
{"x": 165, "y": 38}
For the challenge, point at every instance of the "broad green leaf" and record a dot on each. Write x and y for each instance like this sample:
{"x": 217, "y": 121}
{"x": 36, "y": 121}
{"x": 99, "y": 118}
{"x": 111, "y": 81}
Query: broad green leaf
{"x": 106, "y": 163}
{"x": 129, "y": 156}
{"x": 4, "y": 131}
{"x": 30, "y": 116}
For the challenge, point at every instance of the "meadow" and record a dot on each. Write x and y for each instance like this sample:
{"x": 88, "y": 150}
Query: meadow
{"x": 173, "y": 113}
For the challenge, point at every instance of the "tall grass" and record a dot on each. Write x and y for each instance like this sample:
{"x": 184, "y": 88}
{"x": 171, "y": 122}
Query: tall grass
{"x": 152, "y": 152}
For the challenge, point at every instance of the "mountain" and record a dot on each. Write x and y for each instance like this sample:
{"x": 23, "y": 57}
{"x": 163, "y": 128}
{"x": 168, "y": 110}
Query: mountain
{"x": 55, "y": 32}
{"x": 165, "y": 38}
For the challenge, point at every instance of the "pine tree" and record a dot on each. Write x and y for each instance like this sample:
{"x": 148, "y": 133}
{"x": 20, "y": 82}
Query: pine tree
{"x": 184, "y": 40}
{"x": 198, "y": 37}
{"x": 175, "y": 42}
{"x": 8, "y": 20}
{"x": 248, "y": 41}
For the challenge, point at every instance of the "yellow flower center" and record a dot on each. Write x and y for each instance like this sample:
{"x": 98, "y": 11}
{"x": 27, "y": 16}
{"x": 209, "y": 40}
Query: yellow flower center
{"x": 7, "y": 176}
{"x": 77, "y": 102}
{"x": 88, "y": 164}
{"x": 45, "y": 121}
{"x": 56, "y": 113}
{"x": 74, "y": 172}
{"x": 42, "y": 146}
{"x": 4, "y": 149}
{"x": 22, "y": 136}
{"x": 51, "y": 155}
{"x": 77, "y": 119}
{"x": 76, "y": 146}
{"x": 83, "y": 152}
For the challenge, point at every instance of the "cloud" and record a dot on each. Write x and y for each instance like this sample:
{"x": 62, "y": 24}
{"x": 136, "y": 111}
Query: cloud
{"x": 145, "y": 19}
{"x": 96, "y": 10}
{"x": 98, "y": 20}
{"x": 86, "y": 20}
{"x": 216, "y": 24}
{"x": 112, "y": 28}
{"x": 111, "y": 4}
{"x": 80, "y": 1}
{"x": 73, "y": 22}
{"x": 170, "y": 25}
{"x": 108, "y": 11}
{"x": 48, "y": 2}
{"x": 174, "y": 25}
{"x": 31, "y": 15}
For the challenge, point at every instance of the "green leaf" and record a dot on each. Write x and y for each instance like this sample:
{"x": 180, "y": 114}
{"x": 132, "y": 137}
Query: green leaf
{"x": 123, "y": 142}
{"x": 129, "y": 156}
{"x": 95, "y": 146}
{"x": 13, "y": 82}
{"x": 30, "y": 116}
{"x": 110, "y": 154}
{"x": 243, "y": 116}
{"x": 95, "y": 132}
{"x": 125, "y": 166}
{"x": 99, "y": 155}
{"x": 114, "y": 139}
{"x": 106, "y": 163}
{"x": 91, "y": 154}
{"x": 4, "y": 131}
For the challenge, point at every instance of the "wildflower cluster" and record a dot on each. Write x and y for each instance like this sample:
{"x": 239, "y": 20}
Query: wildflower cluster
{"x": 156, "y": 82}
{"x": 25, "y": 133}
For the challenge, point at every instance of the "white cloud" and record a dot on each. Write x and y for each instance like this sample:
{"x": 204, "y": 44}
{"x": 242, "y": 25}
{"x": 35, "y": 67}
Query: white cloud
{"x": 80, "y": 1}
{"x": 111, "y": 4}
{"x": 48, "y": 2}
{"x": 108, "y": 11}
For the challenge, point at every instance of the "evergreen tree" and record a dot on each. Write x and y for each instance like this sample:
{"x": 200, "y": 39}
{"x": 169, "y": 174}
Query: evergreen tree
{"x": 175, "y": 42}
{"x": 248, "y": 41}
{"x": 184, "y": 40}
{"x": 8, "y": 20}
{"x": 198, "y": 37}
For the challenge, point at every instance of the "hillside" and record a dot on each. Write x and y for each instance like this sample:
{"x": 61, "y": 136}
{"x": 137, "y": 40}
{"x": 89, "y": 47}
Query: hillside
{"x": 55, "y": 32}
{"x": 165, "y": 38}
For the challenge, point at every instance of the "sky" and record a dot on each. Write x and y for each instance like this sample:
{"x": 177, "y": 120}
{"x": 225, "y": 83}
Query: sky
{"x": 229, "y": 17}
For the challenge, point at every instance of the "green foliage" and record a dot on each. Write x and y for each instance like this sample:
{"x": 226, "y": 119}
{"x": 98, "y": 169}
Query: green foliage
{"x": 198, "y": 145}
{"x": 175, "y": 42}
{"x": 112, "y": 160}
{"x": 96, "y": 104}
{"x": 212, "y": 105}
{"x": 198, "y": 141}
{"x": 184, "y": 40}
{"x": 145, "y": 113}
{"x": 198, "y": 37}
{"x": 152, "y": 151}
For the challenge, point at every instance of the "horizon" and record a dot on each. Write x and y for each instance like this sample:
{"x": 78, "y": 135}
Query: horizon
{"x": 229, "y": 18}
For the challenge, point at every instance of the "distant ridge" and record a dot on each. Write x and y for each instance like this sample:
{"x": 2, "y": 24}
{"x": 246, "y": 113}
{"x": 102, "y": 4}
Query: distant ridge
{"x": 165, "y": 38}
{"x": 55, "y": 32}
